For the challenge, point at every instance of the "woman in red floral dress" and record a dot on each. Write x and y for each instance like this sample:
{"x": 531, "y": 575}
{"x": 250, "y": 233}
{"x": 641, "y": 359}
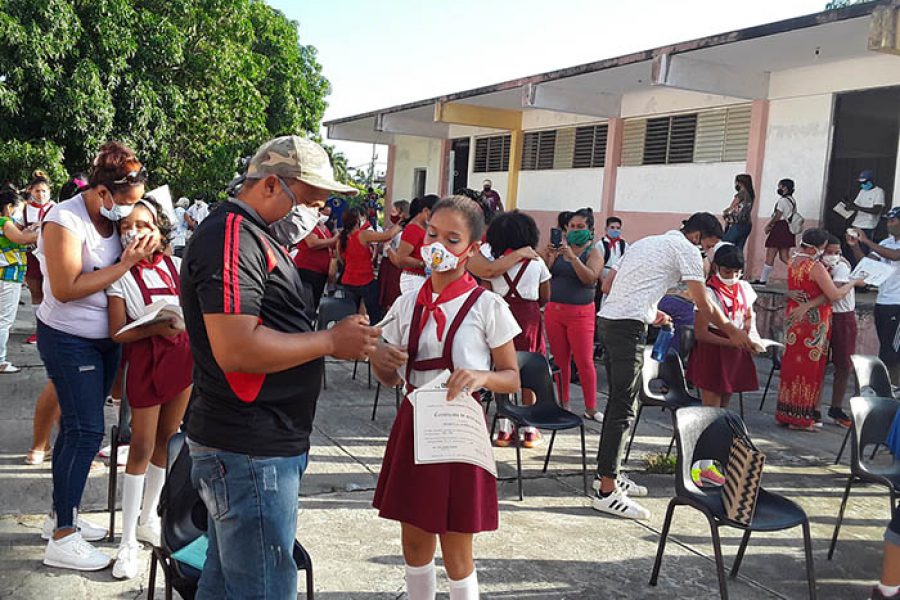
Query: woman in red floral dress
{"x": 808, "y": 329}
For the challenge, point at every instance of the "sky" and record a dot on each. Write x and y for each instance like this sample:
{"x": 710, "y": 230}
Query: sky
{"x": 379, "y": 53}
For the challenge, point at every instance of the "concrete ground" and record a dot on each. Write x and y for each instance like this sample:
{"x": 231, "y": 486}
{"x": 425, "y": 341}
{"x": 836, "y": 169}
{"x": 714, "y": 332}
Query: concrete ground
{"x": 552, "y": 545}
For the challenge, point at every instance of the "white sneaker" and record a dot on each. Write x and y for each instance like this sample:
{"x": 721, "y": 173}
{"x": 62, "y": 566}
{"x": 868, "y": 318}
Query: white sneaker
{"x": 626, "y": 484}
{"x": 150, "y": 531}
{"x": 89, "y": 531}
{"x": 121, "y": 459}
{"x": 128, "y": 561}
{"x": 8, "y": 368}
{"x": 72, "y": 552}
{"x": 620, "y": 505}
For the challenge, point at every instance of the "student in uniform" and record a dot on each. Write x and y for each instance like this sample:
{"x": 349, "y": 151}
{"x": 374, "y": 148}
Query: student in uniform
{"x": 158, "y": 378}
{"x": 388, "y": 273}
{"x": 314, "y": 255}
{"x": 526, "y": 288}
{"x": 450, "y": 323}
{"x": 36, "y": 208}
{"x": 717, "y": 366}
{"x": 407, "y": 256}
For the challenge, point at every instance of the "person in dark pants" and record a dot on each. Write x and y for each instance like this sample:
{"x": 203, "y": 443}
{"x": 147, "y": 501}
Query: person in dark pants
{"x": 355, "y": 250}
{"x": 649, "y": 268}
{"x": 738, "y": 215}
{"x": 258, "y": 367}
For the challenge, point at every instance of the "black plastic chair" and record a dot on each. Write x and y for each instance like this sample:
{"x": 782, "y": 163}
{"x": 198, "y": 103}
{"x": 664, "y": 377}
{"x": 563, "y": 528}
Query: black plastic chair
{"x": 872, "y": 420}
{"x": 184, "y": 519}
{"x": 775, "y": 354}
{"x": 687, "y": 339}
{"x": 332, "y": 310}
{"x": 872, "y": 379}
{"x": 378, "y": 393}
{"x": 704, "y": 433}
{"x": 545, "y": 413}
{"x": 674, "y": 395}
{"x": 119, "y": 435}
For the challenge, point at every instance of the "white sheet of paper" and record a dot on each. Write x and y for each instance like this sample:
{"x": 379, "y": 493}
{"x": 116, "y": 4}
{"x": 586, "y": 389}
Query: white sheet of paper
{"x": 874, "y": 272}
{"x": 450, "y": 432}
{"x": 156, "y": 312}
{"x": 841, "y": 209}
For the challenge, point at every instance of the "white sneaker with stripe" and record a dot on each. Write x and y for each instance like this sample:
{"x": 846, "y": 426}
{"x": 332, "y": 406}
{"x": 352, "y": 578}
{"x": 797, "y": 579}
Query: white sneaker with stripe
{"x": 626, "y": 484}
{"x": 620, "y": 505}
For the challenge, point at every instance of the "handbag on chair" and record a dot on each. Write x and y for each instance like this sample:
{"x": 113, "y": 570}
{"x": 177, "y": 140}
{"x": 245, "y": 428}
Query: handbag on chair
{"x": 743, "y": 475}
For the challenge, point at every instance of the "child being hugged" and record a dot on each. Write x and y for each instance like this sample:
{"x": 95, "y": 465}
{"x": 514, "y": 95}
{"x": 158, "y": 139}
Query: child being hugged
{"x": 158, "y": 380}
{"x": 449, "y": 323}
{"x": 716, "y": 366}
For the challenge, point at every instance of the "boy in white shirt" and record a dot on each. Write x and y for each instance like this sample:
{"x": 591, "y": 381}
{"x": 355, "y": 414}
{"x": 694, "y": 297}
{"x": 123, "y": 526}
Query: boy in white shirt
{"x": 843, "y": 331}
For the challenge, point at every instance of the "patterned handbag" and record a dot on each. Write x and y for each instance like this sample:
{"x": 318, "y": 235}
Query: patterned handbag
{"x": 743, "y": 474}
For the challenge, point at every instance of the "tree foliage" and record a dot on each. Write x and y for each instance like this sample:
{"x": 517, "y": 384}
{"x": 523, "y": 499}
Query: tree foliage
{"x": 842, "y": 3}
{"x": 190, "y": 84}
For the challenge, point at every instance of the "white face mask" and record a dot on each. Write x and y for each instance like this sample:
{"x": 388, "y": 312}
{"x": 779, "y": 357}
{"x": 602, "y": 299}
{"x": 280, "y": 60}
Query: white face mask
{"x": 818, "y": 253}
{"x": 295, "y": 226}
{"x": 117, "y": 212}
{"x": 438, "y": 259}
{"x": 323, "y": 219}
{"x": 831, "y": 260}
{"x": 728, "y": 281}
{"x": 131, "y": 235}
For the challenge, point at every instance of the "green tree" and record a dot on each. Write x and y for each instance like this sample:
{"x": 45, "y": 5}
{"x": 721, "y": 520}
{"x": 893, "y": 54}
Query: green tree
{"x": 190, "y": 84}
{"x": 842, "y": 3}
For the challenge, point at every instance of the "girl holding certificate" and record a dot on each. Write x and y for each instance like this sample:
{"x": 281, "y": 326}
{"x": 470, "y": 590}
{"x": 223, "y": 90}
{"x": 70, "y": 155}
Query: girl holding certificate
{"x": 449, "y": 323}
{"x": 158, "y": 380}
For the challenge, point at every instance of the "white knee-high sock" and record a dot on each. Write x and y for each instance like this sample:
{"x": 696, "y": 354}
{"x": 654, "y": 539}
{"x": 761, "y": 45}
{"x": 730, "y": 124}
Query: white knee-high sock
{"x": 466, "y": 588}
{"x": 156, "y": 477}
{"x": 421, "y": 582}
{"x": 132, "y": 489}
{"x": 766, "y": 271}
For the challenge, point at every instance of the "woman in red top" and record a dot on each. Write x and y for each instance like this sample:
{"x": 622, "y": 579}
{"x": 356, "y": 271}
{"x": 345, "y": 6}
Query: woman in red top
{"x": 354, "y": 250}
{"x": 313, "y": 258}
{"x": 408, "y": 255}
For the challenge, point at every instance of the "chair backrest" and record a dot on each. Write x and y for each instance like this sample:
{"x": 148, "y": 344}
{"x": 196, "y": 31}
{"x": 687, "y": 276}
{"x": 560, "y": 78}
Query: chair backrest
{"x": 671, "y": 371}
{"x": 872, "y": 377}
{"x": 332, "y": 310}
{"x": 872, "y": 420}
{"x": 534, "y": 373}
{"x": 650, "y": 374}
{"x": 688, "y": 339}
{"x": 124, "y": 421}
{"x": 701, "y": 433}
{"x": 183, "y": 513}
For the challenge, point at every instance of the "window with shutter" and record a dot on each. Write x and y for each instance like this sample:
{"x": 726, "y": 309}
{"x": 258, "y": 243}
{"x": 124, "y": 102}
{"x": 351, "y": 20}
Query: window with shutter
{"x": 538, "y": 148}
{"x": 564, "y": 148}
{"x": 723, "y": 134}
{"x": 633, "y": 142}
{"x": 492, "y": 153}
{"x": 737, "y": 134}
{"x": 590, "y": 146}
{"x": 656, "y": 141}
{"x": 682, "y": 133}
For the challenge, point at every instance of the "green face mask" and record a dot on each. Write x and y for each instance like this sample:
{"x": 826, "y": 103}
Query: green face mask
{"x": 579, "y": 237}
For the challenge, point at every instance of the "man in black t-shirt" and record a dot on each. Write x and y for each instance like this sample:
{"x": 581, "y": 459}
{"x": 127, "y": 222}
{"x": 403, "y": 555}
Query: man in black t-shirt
{"x": 258, "y": 367}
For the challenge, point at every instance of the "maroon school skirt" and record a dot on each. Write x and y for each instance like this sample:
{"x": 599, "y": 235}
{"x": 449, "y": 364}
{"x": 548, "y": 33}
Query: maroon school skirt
{"x": 439, "y": 499}
{"x": 388, "y": 283}
{"x": 781, "y": 236}
{"x": 528, "y": 316}
{"x": 159, "y": 368}
{"x": 722, "y": 369}
{"x": 33, "y": 268}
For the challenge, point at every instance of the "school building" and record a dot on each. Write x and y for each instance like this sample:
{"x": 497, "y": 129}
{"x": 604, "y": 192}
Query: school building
{"x": 654, "y": 136}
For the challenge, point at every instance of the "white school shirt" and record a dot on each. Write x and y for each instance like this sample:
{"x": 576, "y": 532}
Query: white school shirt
{"x": 889, "y": 291}
{"x": 178, "y": 236}
{"x": 840, "y": 274}
{"x": 33, "y": 215}
{"x": 649, "y": 268}
{"x": 529, "y": 287}
{"x": 488, "y": 324}
{"x": 785, "y": 207}
{"x": 739, "y": 319}
{"x": 616, "y": 251}
{"x": 85, "y": 317}
{"x": 868, "y": 199}
{"x": 127, "y": 289}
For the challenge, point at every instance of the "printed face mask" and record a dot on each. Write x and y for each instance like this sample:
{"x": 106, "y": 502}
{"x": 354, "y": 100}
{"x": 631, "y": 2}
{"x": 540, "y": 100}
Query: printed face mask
{"x": 438, "y": 259}
{"x": 579, "y": 237}
{"x": 818, "y": 253}
{"x": 117, "y": 212}
{"x": 131, "y": 235}
{"x": 831, "y": 260}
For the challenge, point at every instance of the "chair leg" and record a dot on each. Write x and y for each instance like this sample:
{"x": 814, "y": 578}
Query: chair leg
{"x": 151, "y": 585}
{"x": 634, "y": 427}
{"x": 519, "y": 469}
{"x": 324, "y": 375}
{"x": 584, "y": 474}
{"x": 397, "y": 396}
{"x": 671, "y": 444}
{"x": 740, "y": 554}
{"x": 377, "y": 393}
{"x": 113, "y": 481}
{"x": 549, "y": 450}
{"x": 807, "y": 550}
{"x": 670, "y": 511}
{"x": 840, "y": 518}
{"x": 494, "y": 425}
{"x": 766, "y": 391}
{"x": 309, "y": 580}
{"x": 843, "y": 445}
{"x": 369, "y": 375}
{"x": 741, "y": 403}
{"x": 355, "y": 365}
{"x": 720, "y": 562}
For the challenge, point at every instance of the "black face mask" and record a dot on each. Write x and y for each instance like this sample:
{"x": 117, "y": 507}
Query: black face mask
{"x": 737, "y": 188}
{"x": 782, "y": 192}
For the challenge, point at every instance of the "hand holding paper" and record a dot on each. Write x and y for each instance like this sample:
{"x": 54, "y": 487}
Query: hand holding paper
{"x": 872, "y": 271}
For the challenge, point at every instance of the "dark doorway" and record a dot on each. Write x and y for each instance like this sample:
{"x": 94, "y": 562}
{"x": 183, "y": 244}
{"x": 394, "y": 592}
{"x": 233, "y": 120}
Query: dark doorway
{"x": 866, "y": 127}
{"x": 460, "y": 150}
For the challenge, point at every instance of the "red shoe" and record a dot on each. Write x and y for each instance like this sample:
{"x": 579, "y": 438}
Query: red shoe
{"x": 32, "y": 339}
{"x": 504, "y": 439}
{"x": 532, "y": 439}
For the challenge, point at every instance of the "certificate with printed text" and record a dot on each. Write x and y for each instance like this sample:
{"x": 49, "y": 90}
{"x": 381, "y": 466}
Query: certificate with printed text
{"x": 450, "y": 432}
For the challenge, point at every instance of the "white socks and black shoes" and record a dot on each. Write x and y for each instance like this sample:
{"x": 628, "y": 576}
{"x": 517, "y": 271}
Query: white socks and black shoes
{"x": 619, "y": 504}
{"x": 421, "y": 584}
{"x": 73, "y": 552}
{"x": 626, "y": 484}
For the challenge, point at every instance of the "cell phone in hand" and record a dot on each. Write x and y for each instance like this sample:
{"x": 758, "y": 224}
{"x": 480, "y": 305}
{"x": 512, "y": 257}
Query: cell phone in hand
{"x": 556, "y": 237}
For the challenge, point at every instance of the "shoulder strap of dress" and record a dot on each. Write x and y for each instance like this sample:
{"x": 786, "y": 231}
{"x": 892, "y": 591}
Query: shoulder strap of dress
{"x": 513, "y": 284}
{"x": 173, "y": 271}
{"x": 457, "y": 322}
{"x": 142, "y": 287}
{"x": 412, "y": 344}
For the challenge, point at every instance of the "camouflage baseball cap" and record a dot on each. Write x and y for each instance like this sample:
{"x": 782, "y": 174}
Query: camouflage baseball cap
{"x": 292, "y": 156}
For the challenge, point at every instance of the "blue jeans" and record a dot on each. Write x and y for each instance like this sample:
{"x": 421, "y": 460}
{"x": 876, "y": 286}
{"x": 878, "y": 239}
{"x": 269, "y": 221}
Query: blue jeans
{"x": 252, "y": 504}
{"x": 737, "y": 234}
{"x": 82, "y": 370}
